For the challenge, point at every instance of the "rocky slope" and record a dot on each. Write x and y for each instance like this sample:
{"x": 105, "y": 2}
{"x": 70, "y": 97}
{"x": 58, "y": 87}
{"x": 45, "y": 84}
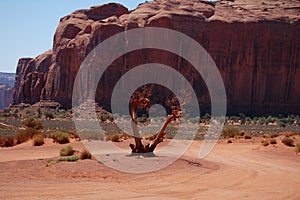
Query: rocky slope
{"x": 254, "y": 43}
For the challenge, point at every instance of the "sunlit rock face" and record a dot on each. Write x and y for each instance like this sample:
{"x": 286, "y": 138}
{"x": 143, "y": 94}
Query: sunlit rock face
{"x": 255, "y": 45}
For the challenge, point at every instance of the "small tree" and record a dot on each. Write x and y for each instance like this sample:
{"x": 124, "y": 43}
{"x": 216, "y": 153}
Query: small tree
{"x": 141, "y": 100}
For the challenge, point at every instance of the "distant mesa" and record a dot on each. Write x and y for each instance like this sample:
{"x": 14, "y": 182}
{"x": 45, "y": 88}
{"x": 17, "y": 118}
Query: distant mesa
{"x": 255, "y": 45}
{"x": 6, "y": 88}
{"x": 7, "y": 79}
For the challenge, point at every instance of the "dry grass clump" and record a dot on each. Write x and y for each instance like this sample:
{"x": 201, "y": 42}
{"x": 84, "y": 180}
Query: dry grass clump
{"x": 247, "y": 136}
{"x": 273, "y": 141}
{"x": 26, "y": 134}
{"x": 288, "y": 141}
{"x": 85, "y": 155}
{"x": 125, "y": 136}
{"x": 38, "y": 140}
{"x": 265, "y": 143}
{"x": 67, "y": 151}
{"x": 60, "y": 137}
{"x": 7, "y": 141}
{"x": 113, "y": 138}
{"x": 231, "y": 132}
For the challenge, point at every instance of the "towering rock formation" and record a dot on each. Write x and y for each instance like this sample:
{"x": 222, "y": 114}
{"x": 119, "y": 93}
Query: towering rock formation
{"x": 254, "y": 43}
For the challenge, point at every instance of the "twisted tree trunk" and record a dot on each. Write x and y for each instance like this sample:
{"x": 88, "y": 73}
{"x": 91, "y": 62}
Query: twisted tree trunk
{"x": 149, "y": 148}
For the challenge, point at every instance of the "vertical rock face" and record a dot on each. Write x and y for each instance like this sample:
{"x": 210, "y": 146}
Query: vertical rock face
{"x": 31, "y": 78}
{"x": 255, "y": 44}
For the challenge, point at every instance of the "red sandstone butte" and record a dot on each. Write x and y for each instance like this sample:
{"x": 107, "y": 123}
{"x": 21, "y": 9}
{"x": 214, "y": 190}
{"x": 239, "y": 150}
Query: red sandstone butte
{"x": 254, "y": 43}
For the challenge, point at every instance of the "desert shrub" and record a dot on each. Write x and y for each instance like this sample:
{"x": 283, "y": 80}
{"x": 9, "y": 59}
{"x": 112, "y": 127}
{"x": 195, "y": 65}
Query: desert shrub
{"x": 262, "y": 121}
{"x": 7, "y": 141}
{"x": 265, "y": 143}
{"x": 106, "y": 116}
{"x": 230, "y": 131}
{"x": 40, "y": 114}
{"x": 229, "y": 141}
{"x": 49, "y": 115}
{"x": 142, "y": 119}
{"x": 114, "y": 138}
{"x": 31, "y": 122}
{"x": 288, "y": 134}
{"x": 60, "y": 137}
{"x": 69, "y": 159}
{"x": 234, "y": 118}
{"x": 125, "y": 136}
{"x": 297, "y": 121}
{"x": 67, "y": 151}
{"x": 73, "y": 135}
{"x": 85, "y": 155}
{"x": 15, "y": 114}
{"x": 274, "y": 135}
{"x": 38, "y": 141}
{"x": 298, "y": 147}
{"x": 27, "y": 134}
{"x": 288, "y": 141}
{"x": 281, "y": 123}
{"x": 247, "y": 136}
{"x": 273, "y": 141}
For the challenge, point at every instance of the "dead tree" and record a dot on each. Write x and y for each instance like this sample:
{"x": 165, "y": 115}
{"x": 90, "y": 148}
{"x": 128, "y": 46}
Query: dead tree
{"x": 140, "y": 100}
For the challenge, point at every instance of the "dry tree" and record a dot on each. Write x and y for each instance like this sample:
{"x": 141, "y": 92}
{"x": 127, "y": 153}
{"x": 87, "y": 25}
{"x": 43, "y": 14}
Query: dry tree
{"x": 140, "y": 100}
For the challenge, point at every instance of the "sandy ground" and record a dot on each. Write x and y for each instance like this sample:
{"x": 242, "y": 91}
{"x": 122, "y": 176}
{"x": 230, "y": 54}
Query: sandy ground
{"x": 241, "y": 170}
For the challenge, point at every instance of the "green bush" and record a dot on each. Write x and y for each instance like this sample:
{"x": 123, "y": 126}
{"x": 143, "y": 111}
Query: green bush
{"x": 281, "y": 123}
{"x": 288, "y": 141}
{"x": 38, "y": 141}
{"x": 85, "y": 155}
{"x": 67, "y": 151}
{"x": 230, "y": 131}
{"x": 60, "y": 137}
{"x": 49, "y": 115}
{"x": 273, "y": 141}
{"x": 69, "y": 159}
{"x": 31, "y": 122}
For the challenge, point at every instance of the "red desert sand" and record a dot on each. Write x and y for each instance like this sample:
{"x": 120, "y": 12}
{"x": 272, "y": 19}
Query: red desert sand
{"x": 240, "y": 170}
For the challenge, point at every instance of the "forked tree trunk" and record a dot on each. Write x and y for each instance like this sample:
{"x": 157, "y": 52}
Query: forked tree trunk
{"x": 149, "y": 148}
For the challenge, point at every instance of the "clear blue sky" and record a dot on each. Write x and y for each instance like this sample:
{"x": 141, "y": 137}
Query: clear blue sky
{"x": 28, "y": 26}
